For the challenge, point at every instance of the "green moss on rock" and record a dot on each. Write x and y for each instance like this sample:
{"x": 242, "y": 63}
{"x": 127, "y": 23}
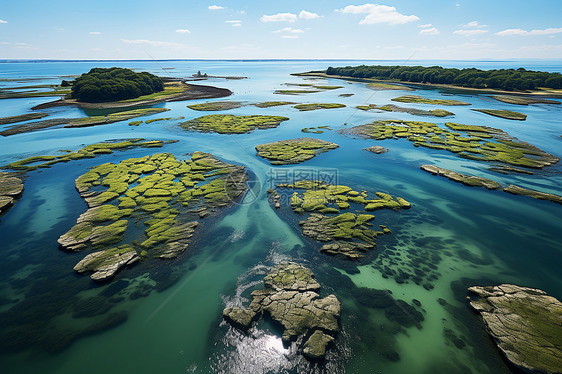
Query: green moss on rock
{"x": 422, "y": 100}
{"x": 88, "y": 151}
{"x": 290, "y": 297}
{"x": 316, "y": 106}
{"x": 148, "y": 189}
{"x": 231, "y": 124}
{"x": 476, "y": 144}
{"x": 524, "y": 323}
{"x": 216, "y": 105}
{"x": 293, "y": 151}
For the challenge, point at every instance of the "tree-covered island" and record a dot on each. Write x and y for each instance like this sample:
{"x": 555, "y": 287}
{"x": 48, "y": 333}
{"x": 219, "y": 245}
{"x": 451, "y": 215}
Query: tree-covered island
{"x": 498, "y": 79}
{"x": 113, "y": 84}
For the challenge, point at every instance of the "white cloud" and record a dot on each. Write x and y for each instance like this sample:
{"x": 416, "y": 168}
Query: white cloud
{"x": 290, "y": 30}
{"x": 10, "y": 43}
{"x": 153, "y": 43}
{"x": 235, "y": 23}
{"x": 183, "y": 31}
{"x": 510, "y": 32}
{"x": 2, "y": 21}
{"x": 470, "y": 32}
{"x": 290, "y": 36}
{"x": 426, "y": 25}
{"x": 215, "y": 7}
{"x": 279, "y": 17}
{"x": 378, "y": 14}
{"x": 308, "y": 15}
{"x": 431, "y": 31}
{"x": 474, "y": 24}
{"x": 94, "y": 33}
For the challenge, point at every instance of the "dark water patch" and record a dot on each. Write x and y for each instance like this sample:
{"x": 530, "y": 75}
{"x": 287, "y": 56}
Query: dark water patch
{"x": 114, "y": 288}
{"x": 141, "y": 290}
{"x": 411, "y": 259}
{"x": 91, "y": 307}
{"x": 452, "y": 338}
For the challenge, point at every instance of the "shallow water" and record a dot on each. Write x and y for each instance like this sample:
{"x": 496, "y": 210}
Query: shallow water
{"x": 166, "y": 316}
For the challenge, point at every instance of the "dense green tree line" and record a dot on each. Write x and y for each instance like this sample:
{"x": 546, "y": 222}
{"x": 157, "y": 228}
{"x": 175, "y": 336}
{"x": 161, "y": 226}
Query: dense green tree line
{"x": 505, "y": 79}
{"x": 112, "y": 84}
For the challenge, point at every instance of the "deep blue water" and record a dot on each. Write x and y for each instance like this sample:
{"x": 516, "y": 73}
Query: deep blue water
{"x": 456, "y": 236}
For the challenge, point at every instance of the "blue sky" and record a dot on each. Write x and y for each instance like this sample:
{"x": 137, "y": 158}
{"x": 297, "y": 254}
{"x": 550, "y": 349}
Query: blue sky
{"x": 242, "y": 29}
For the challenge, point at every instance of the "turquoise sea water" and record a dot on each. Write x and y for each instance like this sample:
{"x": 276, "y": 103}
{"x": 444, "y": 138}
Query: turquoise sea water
{"x": 166, "y": 316}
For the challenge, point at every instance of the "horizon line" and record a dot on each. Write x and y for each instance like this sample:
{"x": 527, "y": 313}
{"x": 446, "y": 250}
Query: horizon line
{"x": 267, "y": 59}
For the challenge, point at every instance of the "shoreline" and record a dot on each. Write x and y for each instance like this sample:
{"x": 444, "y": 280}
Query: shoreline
{"x": 555, "y": 94}
{"x": 190, "y": 92}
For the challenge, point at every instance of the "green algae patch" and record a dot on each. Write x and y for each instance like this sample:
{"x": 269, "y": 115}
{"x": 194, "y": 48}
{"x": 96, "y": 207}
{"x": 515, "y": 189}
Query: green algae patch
{"x": 327, "y": 87}
{"x": 114, "y": 117}
{"x": 135, "y": 123}
{"x": 388, "y": 86}
{"x": 523, "y": 100}
{"x": 347, "y": 234}
{"x": 89, "y": 151}
{"x": 18, "y": 93}
{"x": 413, "y": 111}
{"x": 422, "y": 100}
{"x": 479, "y": 143}
{"x": 158, "y": 192}
{"x": 269, "y": 104}
{"x": 231, "y": 124}
{"x": 22, "y": 117}
{"x": 149, "y": 121}
{"x": 295, "y": 92}
{"x": 216, "y": 106}
{"x": 293, "y": 151}
{"x": 316, "y": 106}
{"x": 507, "y": 114}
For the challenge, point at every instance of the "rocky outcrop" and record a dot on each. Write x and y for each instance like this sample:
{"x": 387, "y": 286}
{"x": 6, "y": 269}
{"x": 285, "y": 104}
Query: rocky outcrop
{"x": 525, "y": 323}
{"x": 104, "y": 264}
{"x": 348, "y": 234}
{"x": 11, "y": 188}
{"x": 377, "y": 149}
{"x": 151, "y": 190}
{"x": 293, "y": 151}
{"x": 469, "y": 180}
{"x": 516, "y": 190}
{"x": 490, "y": 184}
{"x": 290, "y": 297}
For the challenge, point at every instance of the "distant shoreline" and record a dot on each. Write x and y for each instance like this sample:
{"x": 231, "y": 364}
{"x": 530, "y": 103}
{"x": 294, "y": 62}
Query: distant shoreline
{"x": 550, "y": 93}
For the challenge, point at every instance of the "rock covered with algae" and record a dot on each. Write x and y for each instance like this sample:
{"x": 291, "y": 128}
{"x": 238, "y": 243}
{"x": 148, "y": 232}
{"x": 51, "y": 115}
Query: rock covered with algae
{"x": 231, "y": 124}
{"x": 89, "y": 151}
{"x": 164, "y": 195}
{"x": 480, "y": 143}
{"x": 474, "y": 181}
{"x": 341, "y": 233}
{"x": 11, "y": 188}
{"x": 525, "y": 323}
{"x": 290, "y": 297}
{"x": 293, "y": 151}
{"x": 468, "y": 180}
